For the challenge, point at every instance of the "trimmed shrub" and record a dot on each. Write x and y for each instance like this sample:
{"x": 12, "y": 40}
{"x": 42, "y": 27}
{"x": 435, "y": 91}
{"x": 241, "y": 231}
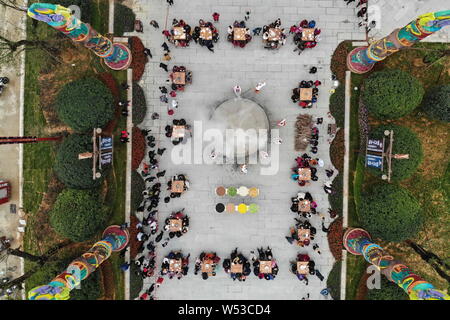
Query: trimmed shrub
{"x": 390, "y": 212}
{"x": 139, "y": 58}
{"x": 405, "y": 142}
{"x": 139, "y": 104}
{"x": 436, "y": 103}
{"x": 337, "y": 150}
{"x": 335, "y": 238}
{"x": 334, "y": 281}
{"x": 138, "y": 148}
{"x": 387, "y": 291}
{"x": 85, "y": 104}
{"x": 78, "y": 214}
{"x": 337, "y": 105}
{"x": 391, "y": 94}
{"x": 72, "y": 172}
{"x": 124, "y": 18}
{"x": 137, "y": 187}
{"x": 136, "y": 282}
{"x": 335, "y": 199}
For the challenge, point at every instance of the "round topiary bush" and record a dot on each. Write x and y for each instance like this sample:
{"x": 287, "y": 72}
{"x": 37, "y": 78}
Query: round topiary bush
{"x": 388, "y": 291}
{"x": 390, "y": 212}
{"x": 85, "y": 104}
{"x": 78, "y": 214}
{"x": 405, "y": 142}
{"x": 391, "y": 94}
{"x": 436, "y": 103}
{"x": 124, "y": 18}
{"x": 72, "y": 172}
{"x": 139, "y": 104}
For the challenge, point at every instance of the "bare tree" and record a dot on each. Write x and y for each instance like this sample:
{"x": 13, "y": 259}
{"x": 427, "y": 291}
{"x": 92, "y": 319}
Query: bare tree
{"x": 10, "y": 49}
{"x": 14, "y": 4}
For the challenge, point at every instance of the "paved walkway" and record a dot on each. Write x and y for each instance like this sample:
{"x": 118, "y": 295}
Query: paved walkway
{"x": 214, "y": 76}
{"x": 10, "y": 126}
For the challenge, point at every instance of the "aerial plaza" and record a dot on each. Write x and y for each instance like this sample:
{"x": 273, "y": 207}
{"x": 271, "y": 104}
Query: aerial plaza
{"x": 224, "y": 151}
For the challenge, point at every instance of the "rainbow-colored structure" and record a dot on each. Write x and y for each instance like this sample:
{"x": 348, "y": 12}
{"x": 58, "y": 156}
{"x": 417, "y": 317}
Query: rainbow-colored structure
{"x": 358, "y": 242}
{"x": 362, "y": 59}
{"x": 117, "y": 56}
{"x": 114, "y": 239}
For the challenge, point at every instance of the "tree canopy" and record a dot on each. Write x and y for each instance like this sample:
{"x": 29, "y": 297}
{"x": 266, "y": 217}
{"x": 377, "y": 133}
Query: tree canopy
{"x": 436, "y": 103}
{"x": 391, "y": 94}
{"x": 390, "y": 212}
{"x": 388, "y": 291}
{"x": 78, "y": 214}
{"x": 85, "y": 104}
{"x": 75, "y": 173}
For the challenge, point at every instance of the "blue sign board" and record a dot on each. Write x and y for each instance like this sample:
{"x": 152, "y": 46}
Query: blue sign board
{"x": 374, "y": 161}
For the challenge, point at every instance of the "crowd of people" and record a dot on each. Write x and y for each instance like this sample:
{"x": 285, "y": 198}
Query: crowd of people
{"x": 177, "y": 186}
{"x": 273, "y": 35}
{"x": 303, "y": 267}
{"x": 207, "y": 264}
{"x": 306, "y": 94}
{"x": 306, "y": 169}
{"x": 205, "y": 34}
{"x": 303, "y": 204}
{"x": 238, "y": 34}
{"x": 237, "y": 266}
{"x": 180, "y": 34}
{"x": 306, "y": 35}
{"x": 179, "y": 77}
{"x": 265, "y": 266}
{"x": 175, "y": 265}
{"x": 178, "y": 131}
{"x": 302, "y": 233}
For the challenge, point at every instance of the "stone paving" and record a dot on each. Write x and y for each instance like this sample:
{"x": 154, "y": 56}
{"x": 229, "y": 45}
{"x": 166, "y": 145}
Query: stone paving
{"x": 214, "y": 75}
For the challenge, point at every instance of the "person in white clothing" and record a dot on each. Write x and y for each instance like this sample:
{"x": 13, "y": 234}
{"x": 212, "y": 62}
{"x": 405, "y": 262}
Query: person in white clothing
{"x": 259, "y": 86}
{"x": 281, "y": 123}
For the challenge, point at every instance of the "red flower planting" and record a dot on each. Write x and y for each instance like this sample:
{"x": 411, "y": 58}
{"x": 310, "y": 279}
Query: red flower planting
{"x": 138, "y": 148}
{"x": 139, "y": 58}
{"x": 335, "y": 238}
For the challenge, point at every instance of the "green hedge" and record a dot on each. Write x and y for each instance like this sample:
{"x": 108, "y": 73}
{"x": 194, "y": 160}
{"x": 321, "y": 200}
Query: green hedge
{"x": 387, "y": 291}
{"x": 72, "y": 172}
{"x": 336, "y": 200}
{"x": 334, "y": 281}
{"x": 391, "y": 94}
{"x": 137, "y": 187}
{"x": 436, "y": 103}
{"x": 390, "y": 212}
{"x": 124, "y": 18}
{"x": 139, "y": 104}
{"x": 78, "y": 214}
{"x": 405, "y": 142}
{"x": 337, "y": 105}
{"x": 136, "y": 282}
{"x": 85, "y": 104}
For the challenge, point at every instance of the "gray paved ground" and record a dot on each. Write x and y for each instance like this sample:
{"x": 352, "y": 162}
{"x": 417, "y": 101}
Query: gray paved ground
{"x": 9, "y": 154}
{"x": 214, "y": 76}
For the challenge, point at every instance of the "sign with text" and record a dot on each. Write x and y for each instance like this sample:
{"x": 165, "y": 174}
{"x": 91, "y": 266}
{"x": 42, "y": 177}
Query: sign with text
{"x": 375, "y": 145}
{"x": 374, "y": 161}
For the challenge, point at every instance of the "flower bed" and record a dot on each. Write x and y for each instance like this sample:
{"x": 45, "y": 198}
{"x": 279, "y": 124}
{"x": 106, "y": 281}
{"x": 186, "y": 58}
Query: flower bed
{"x": 335, "y": 238}
{"x": 139, "y": 58}
{"x": 138, "y": 148}
{"x": 134, "y": 243}
{"x": 339, "y": 60}
{"x": 139, "y": 104}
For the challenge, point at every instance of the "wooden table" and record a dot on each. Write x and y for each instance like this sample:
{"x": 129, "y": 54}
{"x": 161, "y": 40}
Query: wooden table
{"x": 308, "y": 34}
{"x": 179, "y": 77}
{"x": 302, "y": 267}
{"x": 206, "y": 33}
{"x": 207, "y": 266}
{"x": 177, "y": 186}
{"x": 175, "y": 225}
{"x": 274, "y": 34}
{"x": 306, "y": 94}
{"x": 236, "y": 268}
{"x": 239, "y": 34}
{"x": 175, "y": 265}
{"x": 179, "y": 33}
{"x": 304, "y": 174}
{"x": 304, "y": 234}
{"x": 178, "y": 132}
{"x": 265, "y": 266}
{"x": 304, "y": 206}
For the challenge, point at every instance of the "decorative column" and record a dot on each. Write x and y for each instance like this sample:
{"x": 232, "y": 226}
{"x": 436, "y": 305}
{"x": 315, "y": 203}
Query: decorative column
{"x": 362, "y": 59}
{"x": 114, "y": 239}
{"x": 358, "y": 242}
{"x": 117, "y": 56}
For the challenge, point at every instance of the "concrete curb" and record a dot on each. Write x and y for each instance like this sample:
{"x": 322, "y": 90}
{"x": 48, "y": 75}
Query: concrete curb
{"x": 128, "y": 174}
{"x": 111, "y": 17}
{"x": 348, "y": 93}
